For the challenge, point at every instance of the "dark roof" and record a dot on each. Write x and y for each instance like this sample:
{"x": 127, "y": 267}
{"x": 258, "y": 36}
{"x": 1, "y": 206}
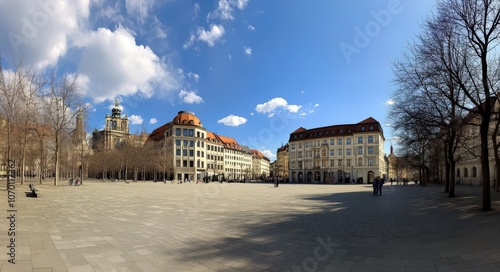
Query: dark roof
{"x": 368, "y": 125}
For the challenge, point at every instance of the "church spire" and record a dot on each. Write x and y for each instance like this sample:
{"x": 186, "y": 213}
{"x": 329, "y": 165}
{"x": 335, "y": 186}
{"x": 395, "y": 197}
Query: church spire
{"x": 116, "y": 111}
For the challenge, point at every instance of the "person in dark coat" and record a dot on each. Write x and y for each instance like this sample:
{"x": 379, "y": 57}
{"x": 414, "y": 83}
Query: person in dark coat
{"x": 381, "y": 182}
{"x": 375, "y": 185}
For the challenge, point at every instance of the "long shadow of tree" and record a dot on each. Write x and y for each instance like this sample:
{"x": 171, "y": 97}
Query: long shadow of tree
{"x": 355, "y": 225}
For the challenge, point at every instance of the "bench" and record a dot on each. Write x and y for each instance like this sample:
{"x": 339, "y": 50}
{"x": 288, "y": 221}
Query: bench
{"x": 34, "y": 191}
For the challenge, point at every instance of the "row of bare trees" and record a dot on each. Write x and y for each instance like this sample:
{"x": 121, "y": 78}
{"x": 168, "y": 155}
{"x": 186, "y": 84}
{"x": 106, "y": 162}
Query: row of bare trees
{"x": 447, "y": 83}
{"x": 131, "y": 160}
{"x": 36, "y": 108}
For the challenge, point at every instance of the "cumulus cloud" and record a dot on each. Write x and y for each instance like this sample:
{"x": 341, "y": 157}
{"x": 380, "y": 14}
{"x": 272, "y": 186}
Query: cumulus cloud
{"x": 39, "y": 32}
{"x": 270, "y": 107}
{"x": 251, "y": 27}
{"x": 232, "y": 120}
{"x": 153, "y": 121}
{"x": 316, "y": 105}
{"x": 114, "y": 64}
{"x": 210, "y": 36}
{"x": 190, "y": 97}
{"x": 135, "y": 119}
{"x": 248, "y": 50}
{"x": 225, "y": 9}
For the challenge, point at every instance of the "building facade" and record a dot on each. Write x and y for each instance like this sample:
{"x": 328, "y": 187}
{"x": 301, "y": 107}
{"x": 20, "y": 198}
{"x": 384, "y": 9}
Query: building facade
{"x": 190, "y": 152}
{"x": 337, "y": 154}
{"x": 282, "y": 160}
{"x": 115, "y": 133}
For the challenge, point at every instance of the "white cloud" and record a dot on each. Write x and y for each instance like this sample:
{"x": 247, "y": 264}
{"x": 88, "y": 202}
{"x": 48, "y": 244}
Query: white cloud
{"x": 111, "y": 106}
{"x": 190, "y": 97}
{"x": 194, "y": 76}
{"x": 139, "y": 8}
{"x": 189, "y": 42}
{"x": 293, "y": 108}
{"x": 196, "y": 10}
{"x": 251, "y": 27}
{"x": 316, "y": 105}
{"x": 153, "y": 121}
{"x": 268, "y": 153}
{"x": 248, "y": 50}
{"x": 229, "y": 57}
{"x": 270, "y": 107}
{"x": 225, "y": 9}
{"x": 114, "y": 64}
{"x": 232, "y": 120}
{"x": 39, "y": 32}
{"x": 251, "y": 113}
{"x": 211, "y": 36}
{"x": 135, "y": 119}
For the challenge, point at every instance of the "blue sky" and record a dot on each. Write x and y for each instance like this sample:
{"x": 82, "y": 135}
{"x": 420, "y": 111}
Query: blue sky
{"x": 251, "y": 70}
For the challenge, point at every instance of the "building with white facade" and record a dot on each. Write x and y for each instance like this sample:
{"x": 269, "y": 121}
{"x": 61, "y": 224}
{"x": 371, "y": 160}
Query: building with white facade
{"x": 338, "y": 153}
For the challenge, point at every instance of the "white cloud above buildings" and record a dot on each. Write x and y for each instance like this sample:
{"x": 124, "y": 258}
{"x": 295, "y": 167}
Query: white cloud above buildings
{"x": 232, "y": 120}
{"x": 40, "y": 32}
{"x": 190, "y": 97}
{"x": 115, "y": 65}
{"x": 276, "y": 104}
{"x": 153, "y": 121}
{"x": 136, "y": 119}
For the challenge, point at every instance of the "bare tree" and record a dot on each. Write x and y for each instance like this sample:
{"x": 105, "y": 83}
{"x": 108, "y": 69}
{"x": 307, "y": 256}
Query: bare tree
{"x": 61, "y": 101}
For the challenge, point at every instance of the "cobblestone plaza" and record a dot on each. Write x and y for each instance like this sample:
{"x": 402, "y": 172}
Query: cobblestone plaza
{"x": 115, "y": 226}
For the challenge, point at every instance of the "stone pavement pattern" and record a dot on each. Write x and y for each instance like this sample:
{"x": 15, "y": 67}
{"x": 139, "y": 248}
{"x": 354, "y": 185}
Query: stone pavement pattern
{"x": 250, "y": 227}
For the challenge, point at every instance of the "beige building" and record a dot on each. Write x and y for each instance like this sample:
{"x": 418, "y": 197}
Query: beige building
{"x": 337, "y": 153}
{"x": 260, "y": 165}
{"x": 115, "y": 132}
{"x": 282, "y": 161}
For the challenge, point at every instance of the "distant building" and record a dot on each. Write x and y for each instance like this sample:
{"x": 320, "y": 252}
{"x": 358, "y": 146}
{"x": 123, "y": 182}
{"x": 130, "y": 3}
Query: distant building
{"x": 337, "y": 153}
{"x": 282, "y": 161}
{"x": 115, "y": 132}
{"x": 260, "y": 165}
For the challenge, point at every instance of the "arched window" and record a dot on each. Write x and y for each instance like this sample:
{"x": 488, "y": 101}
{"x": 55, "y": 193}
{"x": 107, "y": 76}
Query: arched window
{"x": 466, "y": 172}
{"x": 458, "y": 173}
{"x": 474, "y": 172}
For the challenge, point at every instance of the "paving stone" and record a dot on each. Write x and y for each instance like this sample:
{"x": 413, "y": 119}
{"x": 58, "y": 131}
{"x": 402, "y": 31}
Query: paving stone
{"x": 146, "y": 226}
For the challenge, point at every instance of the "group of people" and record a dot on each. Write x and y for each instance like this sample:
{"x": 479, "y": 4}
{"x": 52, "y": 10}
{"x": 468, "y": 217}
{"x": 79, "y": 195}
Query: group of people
{"x": 75, "y": 181}
{"x": 378, "y": 182}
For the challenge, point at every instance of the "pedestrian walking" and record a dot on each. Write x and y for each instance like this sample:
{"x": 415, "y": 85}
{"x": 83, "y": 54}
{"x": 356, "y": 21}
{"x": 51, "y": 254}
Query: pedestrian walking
{"x": 381, "y": 182}
{"x": 375, "y": 186}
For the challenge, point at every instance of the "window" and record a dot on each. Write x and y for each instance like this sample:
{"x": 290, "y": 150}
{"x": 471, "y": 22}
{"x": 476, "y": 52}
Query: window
{"x": 191, "y": 153}
{"x": 340, "y": 152}
{"x": 348, "y": 152}
{"x": 177, "y": 163}
{"x": 474, "y": 172}
{"x": 185, "y": 142}
{"x": 362, "y": 128}
{"x": 370, "y": 150}
{"x": 184, "y": 152}
{"x": 191, "y": 143}
{"x": 371, "y": 127}
{"x": 339, "y": 162}
{"x": 177, "y": 152}
{"x": 185, "y": 132}
{"x": 178, "y": 132}
{"x": 184, "y": 163}
{"x": 348, "y": 162}
{"x": 348, "y": 141}
{"x": 293, "y": 146}
{"x": 178, "y": 142}
{"x": 360, "y": 150}
{"x": 332, "y": 142}
{"x": 370, "y": 162}
{"x": 191, "y": 132}
{"x": 332, "y": 162}
{"x": 332, "y": 153}
{"x": 191, "y": 163}
{"x": 360, "y": 140}
{"x": 340, "y": 141}
{"x": 370, "y": 139}
{"x": 325, "y": 142}
{"x": 299, "y": 155}
{"x": 360, "y": 161}
{"x": 466, "y": 172}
